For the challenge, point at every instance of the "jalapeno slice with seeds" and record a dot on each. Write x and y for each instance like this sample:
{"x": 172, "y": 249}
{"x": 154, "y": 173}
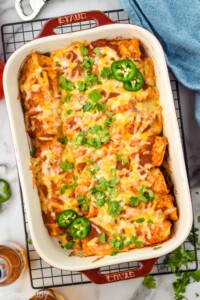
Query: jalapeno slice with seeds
{"x": 80, "y": 228}
{"x": 123, "y": 70}
{"x": 5, "y": 192}
{"x": 66, "y": 217}
{"x": 135, "y": 84}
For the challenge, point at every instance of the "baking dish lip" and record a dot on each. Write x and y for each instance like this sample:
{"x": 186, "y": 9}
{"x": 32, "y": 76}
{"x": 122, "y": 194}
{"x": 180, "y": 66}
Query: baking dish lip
{"x": 22, "y": 172}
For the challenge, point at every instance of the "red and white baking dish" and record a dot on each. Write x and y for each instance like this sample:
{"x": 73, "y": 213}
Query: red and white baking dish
{"x": 46, "y": 246}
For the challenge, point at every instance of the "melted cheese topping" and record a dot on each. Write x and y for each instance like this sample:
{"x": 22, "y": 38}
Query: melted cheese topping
{"x": 117, "y": 137}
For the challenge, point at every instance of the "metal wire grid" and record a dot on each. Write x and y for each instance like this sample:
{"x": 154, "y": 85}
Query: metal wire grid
{"x": 14, "y": 35}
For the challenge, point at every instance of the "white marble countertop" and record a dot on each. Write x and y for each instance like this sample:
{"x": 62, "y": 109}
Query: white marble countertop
{"x": 11, "y": 220}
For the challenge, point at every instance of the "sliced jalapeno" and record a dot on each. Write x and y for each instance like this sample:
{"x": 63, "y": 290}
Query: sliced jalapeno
{"x": 135, "y": 84}
{"x": 65, "y": 218}
{"x": 80, "y": 228}
{"x": 123, "y": 70}
{"x": 5, "y": 192}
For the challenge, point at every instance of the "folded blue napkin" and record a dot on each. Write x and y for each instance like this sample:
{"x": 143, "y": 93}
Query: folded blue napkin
{"x": 176, "y": 24}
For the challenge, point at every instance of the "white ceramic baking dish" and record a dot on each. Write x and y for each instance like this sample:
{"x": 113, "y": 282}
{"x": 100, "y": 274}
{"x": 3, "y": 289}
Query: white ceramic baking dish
{"x": 46, "y": 246}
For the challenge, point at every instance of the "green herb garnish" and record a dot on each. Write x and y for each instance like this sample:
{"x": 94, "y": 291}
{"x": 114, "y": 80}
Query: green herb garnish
{"x": 66, "y": 99}
{"x": 149, "y": 281}
{"x": 102, "y": 238}
{"x": 33, "y": 151}
{"x": 97, "y": 51}
{"x": 114, "y": 208}
{"x": 145, "y": 195}
{"x": 140, "y": 220}
{"x": 107, "y": 73}
{"x": 66, "y": 165}
{"x": 63, "y": 140}
{"x": 68, "y": 186}
{"x": 48, "y": 54}
{"x": 83, "y": 202}
{"x": 66, "y": 84}
{"x": 70, "y": 245}
{"x": 67, "y": 112}
{"x": 81, "y": 86}
{"x": 84, "y": 50}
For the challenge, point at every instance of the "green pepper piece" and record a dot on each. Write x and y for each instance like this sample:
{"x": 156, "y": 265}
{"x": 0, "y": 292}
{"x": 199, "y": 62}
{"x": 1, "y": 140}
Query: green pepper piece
{"x": 65, "y": 218}
{"x": 5, "y": 192}
{"x": 80, "y": 228}
{"x": 123, "y": 70}
{"x": 135, "y": 84}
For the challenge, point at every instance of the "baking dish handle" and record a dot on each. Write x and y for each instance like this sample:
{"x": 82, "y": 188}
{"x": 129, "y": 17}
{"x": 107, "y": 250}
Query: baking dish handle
{"x": 98, "y": 16}
{"x": 97, "y": 277}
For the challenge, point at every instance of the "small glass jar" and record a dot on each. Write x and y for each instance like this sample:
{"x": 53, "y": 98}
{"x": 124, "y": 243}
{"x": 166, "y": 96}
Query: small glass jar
{"x": 47, "y": 294}
{"x": 12, "y": 262}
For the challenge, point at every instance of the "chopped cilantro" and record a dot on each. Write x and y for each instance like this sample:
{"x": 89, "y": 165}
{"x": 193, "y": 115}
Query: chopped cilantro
{"x": 118, "y": 157}
{"x": 95, "y": 96}
{"x": 79, "y": 139}
{"x": 114, "y": 208}
{"x": 150, "y": 222}
{"x": 33, "y": 151}
{"x": 149, "y": 281}
{"x": 124, "y": 161}
{"x": 90, "y": 78}
{"x": 57, "y": 63}
{"x": 96, "y": 167}
{"x": 134, "y": 201}
{"x": 102, "y": 238}
{"x": 66, "y": 165}
{"x": 68, "y": 186}
{"x": 97, "y": 51}
{"x": 156, "y": 248}
{"x": 180, "y": 257}
{"x": 101, "y": 136}
{"x": 70, "y": 245}
{"x": 117, "y": 243}
{"x": 140, "y": 220}
{"x": 196, "y": 275}
{"x": 63, "y": 140}
{"x": 66, "y": 84}
{"x": 109, "y": 122}
{"x": 83, "y": 202}
{"x": 48, "y": 54}
{"x": 84, "y": 50}
{"x": 101, "y": 107}
{"x": 67, "y": 112}
{"x": 114, "y": 253}
{"x": 104, "y": 185}
{"x": 93, "y": 142}
{"x": 145, "y": 195}
{"x": 112, "y": 172}
{"x": 134, "y": 240}
{"x": 66, "y": 99}
{"x": 88, "y": 106}
{"x": 100, "y": 198}
{"x": 81, "y": 86}
{"x": 106, "y": 73}
{"x": 88, "y": 62}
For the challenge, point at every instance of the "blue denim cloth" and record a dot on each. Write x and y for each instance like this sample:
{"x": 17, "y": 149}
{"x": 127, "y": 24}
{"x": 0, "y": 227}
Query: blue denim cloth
{"x": 176, "y": 24}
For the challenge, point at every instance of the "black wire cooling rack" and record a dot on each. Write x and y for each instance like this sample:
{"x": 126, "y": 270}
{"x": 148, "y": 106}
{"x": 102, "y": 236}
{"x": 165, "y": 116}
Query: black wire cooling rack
{"x": 14, "y": 35}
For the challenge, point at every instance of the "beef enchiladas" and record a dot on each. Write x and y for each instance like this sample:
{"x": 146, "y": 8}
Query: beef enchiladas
{"x": 99, "y": 158}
